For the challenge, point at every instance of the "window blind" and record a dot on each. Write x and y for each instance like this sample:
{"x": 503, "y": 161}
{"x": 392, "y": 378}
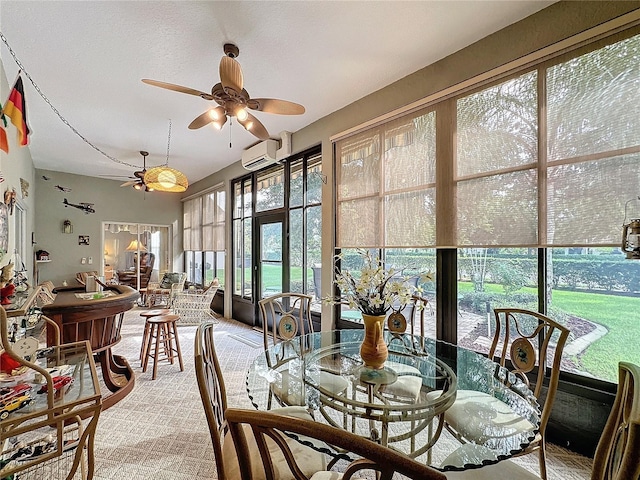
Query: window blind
{"x": 548, "y": 157}
{"x": 386, "y": 185}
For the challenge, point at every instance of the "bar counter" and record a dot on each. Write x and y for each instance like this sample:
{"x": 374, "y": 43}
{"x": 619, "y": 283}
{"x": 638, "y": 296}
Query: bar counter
{"x": 96, "y": 317}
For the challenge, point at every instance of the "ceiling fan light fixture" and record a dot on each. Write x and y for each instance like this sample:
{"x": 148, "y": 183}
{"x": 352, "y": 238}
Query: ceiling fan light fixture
{"x": 137, "y": 186}
{"x": 241, "y": 114}
{"x": 166, "y": 179}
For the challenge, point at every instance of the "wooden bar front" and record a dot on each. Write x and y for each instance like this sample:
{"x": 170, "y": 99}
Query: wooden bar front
{"x": 99, "y": 321}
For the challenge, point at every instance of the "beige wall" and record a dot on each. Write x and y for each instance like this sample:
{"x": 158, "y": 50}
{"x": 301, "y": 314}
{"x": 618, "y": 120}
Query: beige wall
{"x": 113, "y": 204}
{"x": 14, "y": 166}
{"x": 549, "y": 26}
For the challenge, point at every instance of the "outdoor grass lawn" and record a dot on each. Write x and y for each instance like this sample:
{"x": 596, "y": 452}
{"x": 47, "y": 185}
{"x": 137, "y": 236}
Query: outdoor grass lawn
{"x": 619, "y": 314}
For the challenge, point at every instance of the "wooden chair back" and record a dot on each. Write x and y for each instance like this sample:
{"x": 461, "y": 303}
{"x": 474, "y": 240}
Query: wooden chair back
{"x": 285, "y": 315}
{"x": 617, "y": 456}
{"x": 273, "y": 426}
{"x": 533, "y": 345}
{"x": 212, "y": 390}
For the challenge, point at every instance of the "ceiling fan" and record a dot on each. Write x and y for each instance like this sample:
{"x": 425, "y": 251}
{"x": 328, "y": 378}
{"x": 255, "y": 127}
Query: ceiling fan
{"x": 137, "y": 181}
{"x": 233, "y": 99}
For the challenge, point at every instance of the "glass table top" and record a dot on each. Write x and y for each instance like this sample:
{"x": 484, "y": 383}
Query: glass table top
{"x": 401, "y": 406}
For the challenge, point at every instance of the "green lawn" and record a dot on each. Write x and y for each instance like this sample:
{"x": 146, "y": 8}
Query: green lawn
{"x": 620, "y": 315}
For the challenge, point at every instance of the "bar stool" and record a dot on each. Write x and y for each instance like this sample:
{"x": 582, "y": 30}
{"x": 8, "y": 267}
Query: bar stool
{"x": 147, "y": 314}
{"x": 162, "y": 340}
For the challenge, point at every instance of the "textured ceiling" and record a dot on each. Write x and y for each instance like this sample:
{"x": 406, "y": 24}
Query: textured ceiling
{"x": 88, "y": 58}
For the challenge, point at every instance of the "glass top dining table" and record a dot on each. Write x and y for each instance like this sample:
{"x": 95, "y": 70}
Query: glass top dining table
{"x": 401, "y": 406}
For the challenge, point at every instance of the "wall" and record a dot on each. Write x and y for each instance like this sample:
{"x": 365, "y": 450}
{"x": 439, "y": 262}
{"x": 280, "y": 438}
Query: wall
{"x": 14, "y": 166}
{"x": 113, "y": 204}
{"x": 557, "y": 22}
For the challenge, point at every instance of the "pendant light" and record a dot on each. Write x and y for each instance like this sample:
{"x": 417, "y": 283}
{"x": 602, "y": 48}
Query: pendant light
{"x": 164, "y": 178}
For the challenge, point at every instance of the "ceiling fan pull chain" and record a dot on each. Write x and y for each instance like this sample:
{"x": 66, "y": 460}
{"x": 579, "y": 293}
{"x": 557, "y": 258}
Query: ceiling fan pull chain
{"x": 168, "y": 142}
{"x": 230, "y": 124}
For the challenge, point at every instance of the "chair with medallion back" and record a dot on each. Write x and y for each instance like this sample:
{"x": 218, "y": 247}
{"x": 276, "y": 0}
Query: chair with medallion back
{"x": 272, "y": 430}
{"x": 284, "y": 316}
{"x": 616, "y": 456}
{"x": 531, "y": 345}
{"x": 214, "y": 400}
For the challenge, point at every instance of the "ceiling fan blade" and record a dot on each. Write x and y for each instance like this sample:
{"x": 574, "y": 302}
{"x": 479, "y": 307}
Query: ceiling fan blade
{"x": 200, "y": 121}
{"x": 273, "y": 105}
{"x": 177, "y": 88}
{"x": 254, "y": 126}
{"x": 231, "y": 76}
{"x": 130, "y": 182}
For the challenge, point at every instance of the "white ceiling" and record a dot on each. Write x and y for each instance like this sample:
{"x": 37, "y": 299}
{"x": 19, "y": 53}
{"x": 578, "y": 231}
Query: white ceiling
{"x": 88, "y": 58}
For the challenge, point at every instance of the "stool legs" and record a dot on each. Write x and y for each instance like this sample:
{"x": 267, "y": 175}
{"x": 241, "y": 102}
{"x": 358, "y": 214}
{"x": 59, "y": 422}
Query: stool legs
{"x": 162, "y": 340}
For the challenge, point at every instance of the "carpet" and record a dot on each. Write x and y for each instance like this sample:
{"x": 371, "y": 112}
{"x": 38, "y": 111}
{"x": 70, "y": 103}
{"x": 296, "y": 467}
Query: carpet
{"x": 159, "y": 430}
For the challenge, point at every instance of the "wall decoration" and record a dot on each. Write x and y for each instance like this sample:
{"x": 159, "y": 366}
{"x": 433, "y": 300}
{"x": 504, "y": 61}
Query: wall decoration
{"x": 62, "y": 189}
{"x": 85, "y": 207}
{"x": 4, "y": 229}
{"x": 83, "y": 239}
{"x": 10, "y": 199}
{"x": 67, "y": 227}
{"x": 24, "y": 187}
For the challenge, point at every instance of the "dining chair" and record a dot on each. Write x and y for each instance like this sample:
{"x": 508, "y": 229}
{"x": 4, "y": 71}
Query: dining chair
{"x": 406, "y": 335}
{"x": 530, "y": 344}
{"x": 271, "y": 431}
{"x": 616, "y": 456}
{"x": 285, "y": 316}
{"x": 214, "y": 400}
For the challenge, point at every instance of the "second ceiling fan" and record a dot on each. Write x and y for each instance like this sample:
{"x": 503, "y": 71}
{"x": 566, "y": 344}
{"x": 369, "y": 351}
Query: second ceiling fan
{"x": 137, "y": 181}
{"x": 232, "y": 99}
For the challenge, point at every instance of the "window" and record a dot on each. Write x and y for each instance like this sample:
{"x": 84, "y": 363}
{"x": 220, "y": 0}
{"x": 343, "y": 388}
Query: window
{"x": 534, "y": 171}
{"x": 204, "y": 237}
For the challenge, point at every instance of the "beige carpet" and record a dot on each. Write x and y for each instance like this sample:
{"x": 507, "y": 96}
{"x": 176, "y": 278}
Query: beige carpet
{"x": 159, "y": 431}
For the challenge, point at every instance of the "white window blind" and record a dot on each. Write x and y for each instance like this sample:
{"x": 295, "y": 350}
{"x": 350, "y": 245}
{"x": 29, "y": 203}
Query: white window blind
{"x": 506, "y": 191}
{"x": 204, "y": 221}
{"x": 213, "y": 215}
{"x": 386, "y": 185}
{"x": 192, "y": 224}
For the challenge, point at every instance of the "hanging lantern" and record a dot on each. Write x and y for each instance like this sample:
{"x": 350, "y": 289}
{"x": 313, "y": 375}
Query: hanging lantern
{"x": 166, "y": 179}
{"x": 631, "y": 234}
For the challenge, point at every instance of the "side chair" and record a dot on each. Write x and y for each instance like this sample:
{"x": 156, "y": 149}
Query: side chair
{"x": 270, "y": 431}
{"x": 284, "y": 316}
{"x": 214, "y": 400}
{"x": 616, "y": 456}
{"x": 530, "y": 344}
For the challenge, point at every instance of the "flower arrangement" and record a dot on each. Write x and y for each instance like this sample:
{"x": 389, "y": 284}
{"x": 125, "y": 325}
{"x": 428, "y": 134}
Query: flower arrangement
{"x": 376, "y": 289}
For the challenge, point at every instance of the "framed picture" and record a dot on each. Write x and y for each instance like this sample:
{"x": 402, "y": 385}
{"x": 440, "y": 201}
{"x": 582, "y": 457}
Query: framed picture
{"x": 83, "y": 239}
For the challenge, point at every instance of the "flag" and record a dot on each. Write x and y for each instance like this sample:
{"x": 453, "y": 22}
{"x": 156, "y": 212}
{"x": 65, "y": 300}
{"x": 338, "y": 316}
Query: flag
{"x": 4, "y": 144}
{"x": 15, "y": 109}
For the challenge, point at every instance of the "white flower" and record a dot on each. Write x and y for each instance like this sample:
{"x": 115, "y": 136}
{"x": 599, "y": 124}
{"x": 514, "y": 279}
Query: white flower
{"x": 374, "y": 290}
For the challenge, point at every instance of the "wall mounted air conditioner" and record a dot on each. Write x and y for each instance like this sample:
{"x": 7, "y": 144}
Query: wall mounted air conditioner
{"x": 266, "y": 153}
{"x": 260, "y": 155}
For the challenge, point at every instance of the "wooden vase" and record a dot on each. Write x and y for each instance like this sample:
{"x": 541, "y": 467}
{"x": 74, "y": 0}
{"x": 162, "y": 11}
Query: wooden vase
{"x": 373, "y": 350}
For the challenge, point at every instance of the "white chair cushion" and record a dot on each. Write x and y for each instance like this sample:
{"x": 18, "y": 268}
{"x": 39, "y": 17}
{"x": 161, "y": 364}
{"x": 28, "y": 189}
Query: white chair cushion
{"x": 408, "y": 384}
{"x": 478, "y": 417}
{"x": 309, "y": 460}
{"x": 504, "y": 470}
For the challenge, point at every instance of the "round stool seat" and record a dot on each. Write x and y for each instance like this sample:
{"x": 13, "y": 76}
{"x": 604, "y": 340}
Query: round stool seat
{"x": 160, "y": 342}
{"x": 155, "y": 312}
{"x": 163, "y": 319}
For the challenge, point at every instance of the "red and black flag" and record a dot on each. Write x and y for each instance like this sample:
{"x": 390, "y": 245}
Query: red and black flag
{"x": 15, "y": 109}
